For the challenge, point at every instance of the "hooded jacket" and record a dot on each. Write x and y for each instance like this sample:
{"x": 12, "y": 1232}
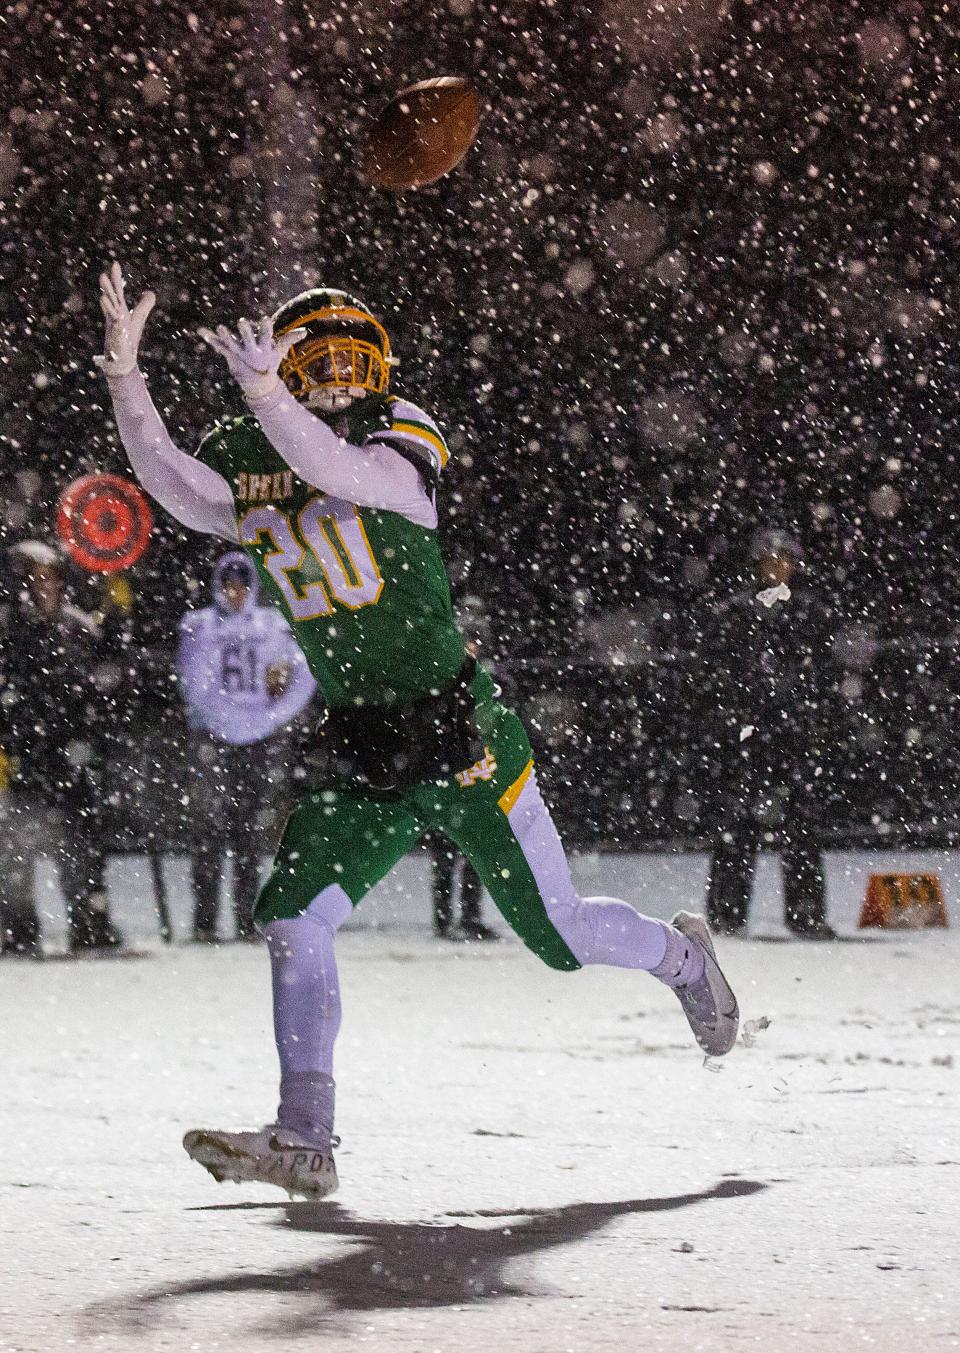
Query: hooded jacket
{"x": 223, "y": 657}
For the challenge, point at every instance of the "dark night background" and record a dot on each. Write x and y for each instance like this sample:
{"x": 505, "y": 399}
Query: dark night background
{"x": 698, "y": 277}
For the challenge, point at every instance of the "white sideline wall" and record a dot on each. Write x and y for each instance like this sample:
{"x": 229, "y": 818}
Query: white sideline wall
{"x": 658, "y": 884}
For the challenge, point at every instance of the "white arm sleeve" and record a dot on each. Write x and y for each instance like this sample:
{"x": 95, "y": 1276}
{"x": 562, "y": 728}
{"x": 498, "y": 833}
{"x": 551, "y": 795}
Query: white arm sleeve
{"x": 190, "y": 491}
{"x": 370, "y": 476}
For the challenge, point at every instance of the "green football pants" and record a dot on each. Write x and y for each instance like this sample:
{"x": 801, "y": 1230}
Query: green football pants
{"x": 492, "y": 811}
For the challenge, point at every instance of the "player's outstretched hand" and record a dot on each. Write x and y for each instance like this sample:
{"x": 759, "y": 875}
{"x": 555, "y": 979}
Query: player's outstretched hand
{"x": 124, "y": 327}
{"x": 252, "y": 355}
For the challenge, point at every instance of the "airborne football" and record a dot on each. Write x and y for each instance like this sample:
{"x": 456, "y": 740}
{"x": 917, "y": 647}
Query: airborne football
{"x": 479, "y": 677}
{"x": 422, "y": 133}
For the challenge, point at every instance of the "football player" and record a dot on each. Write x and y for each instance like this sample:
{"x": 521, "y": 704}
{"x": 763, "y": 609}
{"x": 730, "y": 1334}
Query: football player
{"x": 330, "y": 483}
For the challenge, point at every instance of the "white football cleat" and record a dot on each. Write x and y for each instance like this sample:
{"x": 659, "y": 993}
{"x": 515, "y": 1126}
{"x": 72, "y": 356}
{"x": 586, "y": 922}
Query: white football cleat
{"x": 709, "y": 1003}
{"x": 273, "y": 1155}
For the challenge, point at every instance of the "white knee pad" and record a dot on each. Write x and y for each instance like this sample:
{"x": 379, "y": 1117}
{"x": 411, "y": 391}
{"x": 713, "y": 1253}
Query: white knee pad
{"x": 331, "y": 907}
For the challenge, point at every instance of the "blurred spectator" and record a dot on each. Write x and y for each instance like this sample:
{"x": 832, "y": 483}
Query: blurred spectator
{"x": 243, "y": 679}
{"x": 49, "y": 708}
{"x": 450, "y": 871}
{"x": 765, "y": 657}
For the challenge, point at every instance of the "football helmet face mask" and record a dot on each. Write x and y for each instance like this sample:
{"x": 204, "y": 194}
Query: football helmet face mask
{"x": 345, "y": 355}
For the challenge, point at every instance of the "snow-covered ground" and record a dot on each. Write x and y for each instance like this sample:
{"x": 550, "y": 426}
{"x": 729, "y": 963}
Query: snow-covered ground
{"x": 530, "y": 1160}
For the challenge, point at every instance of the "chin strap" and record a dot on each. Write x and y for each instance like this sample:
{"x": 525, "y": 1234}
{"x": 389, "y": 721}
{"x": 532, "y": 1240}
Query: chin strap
{"x": 332, "y": 398}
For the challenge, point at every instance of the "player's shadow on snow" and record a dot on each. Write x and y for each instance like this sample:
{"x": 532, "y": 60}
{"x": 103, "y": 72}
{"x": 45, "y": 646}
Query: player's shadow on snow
{"x": 391, "y": 1265}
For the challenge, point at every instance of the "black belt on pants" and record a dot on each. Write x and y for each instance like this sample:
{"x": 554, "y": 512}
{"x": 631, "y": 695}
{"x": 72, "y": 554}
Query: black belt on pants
{"x": 383, "y": 750}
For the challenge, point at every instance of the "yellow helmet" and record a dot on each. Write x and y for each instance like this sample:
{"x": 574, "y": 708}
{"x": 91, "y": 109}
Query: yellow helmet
{"x": 346, "y": 351}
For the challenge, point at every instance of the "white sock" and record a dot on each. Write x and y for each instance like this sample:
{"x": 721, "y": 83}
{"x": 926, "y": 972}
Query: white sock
{"x": 307, "y": 1013}
{"x": 682, "y": 962}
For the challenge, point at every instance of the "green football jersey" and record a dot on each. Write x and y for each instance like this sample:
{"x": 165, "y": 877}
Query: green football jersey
{"x": 365, "y": 591}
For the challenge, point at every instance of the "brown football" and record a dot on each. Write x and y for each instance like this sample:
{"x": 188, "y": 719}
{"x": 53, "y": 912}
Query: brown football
{"x": 421, "y": 134}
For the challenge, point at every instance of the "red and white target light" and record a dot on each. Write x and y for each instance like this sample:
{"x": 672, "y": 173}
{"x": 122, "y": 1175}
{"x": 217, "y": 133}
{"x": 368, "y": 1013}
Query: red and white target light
{"x": 104, "y": 521}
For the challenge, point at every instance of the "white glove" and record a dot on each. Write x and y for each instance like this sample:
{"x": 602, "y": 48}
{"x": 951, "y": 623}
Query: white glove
{"x": 124, "y": 328}
{"x": 253, "y": 358}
